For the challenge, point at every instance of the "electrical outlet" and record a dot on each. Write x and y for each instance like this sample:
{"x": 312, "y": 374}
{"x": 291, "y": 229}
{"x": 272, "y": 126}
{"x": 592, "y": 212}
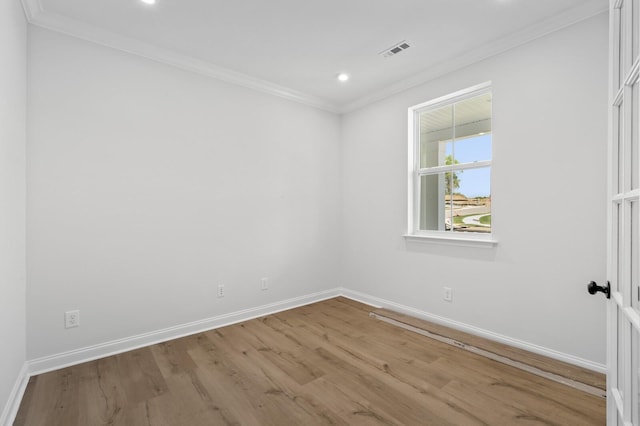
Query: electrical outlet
{"x": 264, "y": 284}
{"x": 71, "y": 319}
{"x": 447, "y": 294}
{"x": 221, "y": 290}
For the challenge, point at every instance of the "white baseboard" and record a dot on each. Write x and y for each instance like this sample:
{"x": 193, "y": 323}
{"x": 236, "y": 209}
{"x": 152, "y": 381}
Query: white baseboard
{"x": 65, "y": 359}
{"x": 8, "y": 415}
{"x": 382, "y": 303}
{"x": 90, "y": 353}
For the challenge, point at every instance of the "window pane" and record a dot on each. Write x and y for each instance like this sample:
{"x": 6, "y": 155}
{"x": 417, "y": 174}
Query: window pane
{"x": 636, "y": 376}
{"x": 436, "y": 136}
{"x": 452, "y": 164}
{"x": 471, "y": 201}
{"x": 636, "y": 32}
{"x": 622, "y": 378}
{"x": 473, "y": 129}
{"x": 621, "y": 48}
{"x": 432, "y": 202}
{"x": 635, "y": 255}
{"x": 473, "y": 149}
{"x": 619, "y": 254}
{"x": 628, "y": 241}
{"x": 633, "y": 143}
{"x": 619, "y": 149}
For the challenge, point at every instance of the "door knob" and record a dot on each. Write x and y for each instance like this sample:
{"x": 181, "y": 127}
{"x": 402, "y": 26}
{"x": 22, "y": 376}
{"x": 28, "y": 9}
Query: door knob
{"x": 593, "y": 288}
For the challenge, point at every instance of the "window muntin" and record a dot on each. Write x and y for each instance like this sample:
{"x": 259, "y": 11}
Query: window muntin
{"x": 451, "y": 176}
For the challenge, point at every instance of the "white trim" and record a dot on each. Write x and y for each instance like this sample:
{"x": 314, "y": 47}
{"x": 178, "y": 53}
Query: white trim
{"x": 561, "y": 356}
{"x": 360, "y": 297}
{"x": 78, "y": 356}
{"x": 633, "y": 316}
{"x": 110, "y": 39}
{"x": 31, "y": 8}
{"x": 471, "y": 240}
{"x": 460, "y": 95}
{"x": 37, "y": 16}
{"x": 493, "y": 356}
{"x": 622, "y": 318}
{"x": 90, "y": 353}
{"x": 563, "y": 20}
{"x": 414, "y": 233}
{"x": 8, "y": 415}
{"x": 425, "y": 171}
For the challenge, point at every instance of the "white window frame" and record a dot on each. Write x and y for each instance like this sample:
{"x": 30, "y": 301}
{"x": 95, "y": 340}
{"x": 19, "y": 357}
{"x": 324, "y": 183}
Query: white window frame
{"x": 448, "y": 237}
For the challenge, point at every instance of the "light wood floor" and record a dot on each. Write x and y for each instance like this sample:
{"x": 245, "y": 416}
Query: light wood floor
{"x": 558, "y": 368}
{"x": 324, "y": 364}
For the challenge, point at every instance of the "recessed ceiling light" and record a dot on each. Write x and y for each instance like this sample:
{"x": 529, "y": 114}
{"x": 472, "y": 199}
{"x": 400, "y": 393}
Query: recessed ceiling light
{"x": 343, "y": 77}
{"x": 148, "y": 1}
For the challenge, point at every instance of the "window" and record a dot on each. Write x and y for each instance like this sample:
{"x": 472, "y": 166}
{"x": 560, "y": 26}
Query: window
{"x": 450, "y": 161}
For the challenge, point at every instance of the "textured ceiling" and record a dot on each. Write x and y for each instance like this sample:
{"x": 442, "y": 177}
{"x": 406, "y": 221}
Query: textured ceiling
{"x": 296, "y": 48}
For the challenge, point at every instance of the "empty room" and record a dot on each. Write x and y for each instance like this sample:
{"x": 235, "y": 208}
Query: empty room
{"x": 319, "y": 213}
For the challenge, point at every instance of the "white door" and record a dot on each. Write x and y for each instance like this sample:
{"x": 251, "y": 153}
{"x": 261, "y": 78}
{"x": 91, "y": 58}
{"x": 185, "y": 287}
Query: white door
{"x": 623, "y": 377}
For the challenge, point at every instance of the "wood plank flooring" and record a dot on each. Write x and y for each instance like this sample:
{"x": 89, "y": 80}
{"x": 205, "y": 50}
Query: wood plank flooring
{"x": 323, "y": 364}
{"x": 559, "y": 368}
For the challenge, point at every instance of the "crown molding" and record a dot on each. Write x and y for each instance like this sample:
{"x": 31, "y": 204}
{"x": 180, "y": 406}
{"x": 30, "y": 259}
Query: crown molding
{"x": 32, "y": 8}
{"x": 36, "y": 15}
{"x": 567, "y": 18}
{"x": 78, "y": 29}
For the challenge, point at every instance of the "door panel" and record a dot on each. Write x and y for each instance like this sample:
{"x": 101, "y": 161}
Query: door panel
{"x": 636, "y": 377}
{"x": 623, "y": 379}
{"x": 632, "y": 155}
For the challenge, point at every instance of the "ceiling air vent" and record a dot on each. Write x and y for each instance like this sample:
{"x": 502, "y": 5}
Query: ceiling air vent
{"x": 395, "y": 49}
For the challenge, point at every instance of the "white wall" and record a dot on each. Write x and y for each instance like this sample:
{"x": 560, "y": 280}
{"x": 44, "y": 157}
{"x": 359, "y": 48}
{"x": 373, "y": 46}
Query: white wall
{"x": 549, "y": 205}
{"x": 148, "y": 186}
{"x": 13, "y": 95}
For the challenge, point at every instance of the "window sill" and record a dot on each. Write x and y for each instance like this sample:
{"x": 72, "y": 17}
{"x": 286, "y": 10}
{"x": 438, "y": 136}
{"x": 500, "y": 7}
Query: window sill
{"x": 483, "y": 241}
